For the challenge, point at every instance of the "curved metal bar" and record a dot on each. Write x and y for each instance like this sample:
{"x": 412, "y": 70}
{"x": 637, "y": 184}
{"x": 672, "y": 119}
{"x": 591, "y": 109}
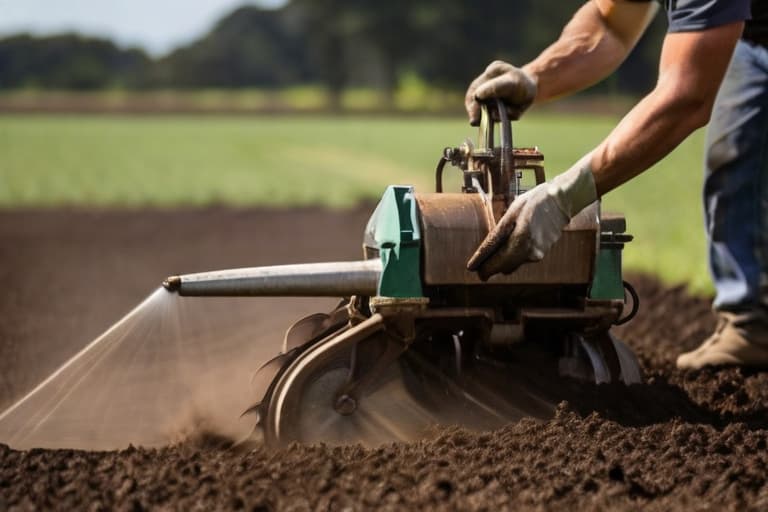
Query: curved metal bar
{"x": 439, "y": 174}
{"x": 314, "y": 358}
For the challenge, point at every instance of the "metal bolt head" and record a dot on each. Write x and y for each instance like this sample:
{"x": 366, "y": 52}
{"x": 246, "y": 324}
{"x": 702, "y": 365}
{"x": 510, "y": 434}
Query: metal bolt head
{"x": 345, "y": 405}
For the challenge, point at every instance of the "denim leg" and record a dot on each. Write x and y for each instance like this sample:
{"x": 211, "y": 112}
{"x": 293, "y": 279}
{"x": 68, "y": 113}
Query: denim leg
{"x": 736, "y": 183}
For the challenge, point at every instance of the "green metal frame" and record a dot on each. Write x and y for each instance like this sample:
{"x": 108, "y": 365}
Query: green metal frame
{"x": 608, "y": 282}
{"x": 398, "y": 238}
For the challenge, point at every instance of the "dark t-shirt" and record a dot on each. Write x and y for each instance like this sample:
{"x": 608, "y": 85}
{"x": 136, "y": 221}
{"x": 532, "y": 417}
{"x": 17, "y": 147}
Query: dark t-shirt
{"x": 692, "y": 15}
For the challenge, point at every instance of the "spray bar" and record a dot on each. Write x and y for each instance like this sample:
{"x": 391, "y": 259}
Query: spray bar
{"x": 332, "y": 279}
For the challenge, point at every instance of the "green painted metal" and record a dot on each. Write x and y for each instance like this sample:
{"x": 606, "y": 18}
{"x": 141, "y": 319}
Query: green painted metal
{"x": 608, "y": 282}
{"x": 395, "y": 229}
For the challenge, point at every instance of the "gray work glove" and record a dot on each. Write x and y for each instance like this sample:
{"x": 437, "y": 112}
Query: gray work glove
{"x": 534, "y": 221}
{"x": 504, "y": 81}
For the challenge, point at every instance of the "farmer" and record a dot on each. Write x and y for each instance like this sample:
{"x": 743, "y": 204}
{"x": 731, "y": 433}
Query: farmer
{"x": 697, "y": 50}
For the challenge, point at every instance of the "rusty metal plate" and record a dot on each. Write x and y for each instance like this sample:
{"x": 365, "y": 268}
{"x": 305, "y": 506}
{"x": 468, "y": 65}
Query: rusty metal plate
{"x": 453, "y": 225}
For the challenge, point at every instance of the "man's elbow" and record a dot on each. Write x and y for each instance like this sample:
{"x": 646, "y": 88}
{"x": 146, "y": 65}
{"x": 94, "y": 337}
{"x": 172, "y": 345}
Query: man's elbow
{"x": 700, "y": 111}
{"x": 692, "y": 108}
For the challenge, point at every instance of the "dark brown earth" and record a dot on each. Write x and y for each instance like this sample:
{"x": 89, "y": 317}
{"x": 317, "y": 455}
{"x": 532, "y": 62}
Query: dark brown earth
{"x": 682, "y": 440}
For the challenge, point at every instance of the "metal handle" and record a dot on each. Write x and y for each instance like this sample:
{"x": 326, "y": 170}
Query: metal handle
{"x": 487, "y": 123}
{"x": 486, "y": 136}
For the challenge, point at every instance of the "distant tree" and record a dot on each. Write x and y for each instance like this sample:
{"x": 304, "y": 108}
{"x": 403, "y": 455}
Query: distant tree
{"x": 328, "y": 26}
{"x": 334, "y": 42}
{"x": 249, "y": 47}
{"x": 370, "y": 42}
{"x": 461, "y": 38}
{"x": 392, "y": 30}
{"x": 457, "y": 39}
{"x": 69, "y": 61}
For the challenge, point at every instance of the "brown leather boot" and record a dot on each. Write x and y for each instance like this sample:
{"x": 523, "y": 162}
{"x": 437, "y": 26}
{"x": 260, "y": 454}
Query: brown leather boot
{"x": 740, "y": 339}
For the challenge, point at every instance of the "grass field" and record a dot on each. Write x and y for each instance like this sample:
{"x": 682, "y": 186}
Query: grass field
{"x": 412, "y": 95}
{"x": 285, "y": 161}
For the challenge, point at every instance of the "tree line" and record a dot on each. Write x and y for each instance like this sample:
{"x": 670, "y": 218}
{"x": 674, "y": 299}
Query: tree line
{"x": 336, "y": 43}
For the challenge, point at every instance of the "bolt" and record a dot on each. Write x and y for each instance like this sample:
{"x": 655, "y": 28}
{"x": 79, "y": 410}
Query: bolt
{"x": 345, "y": 405}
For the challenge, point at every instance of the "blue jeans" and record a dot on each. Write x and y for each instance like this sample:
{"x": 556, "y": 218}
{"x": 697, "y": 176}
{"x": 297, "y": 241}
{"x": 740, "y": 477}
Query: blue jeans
{"x": 736, "y": 184}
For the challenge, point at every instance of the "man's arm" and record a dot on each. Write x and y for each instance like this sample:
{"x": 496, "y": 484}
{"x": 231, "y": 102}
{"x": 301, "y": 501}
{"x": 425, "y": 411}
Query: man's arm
{"x": 592, "y": 45}
{"x": 692, "y": 66}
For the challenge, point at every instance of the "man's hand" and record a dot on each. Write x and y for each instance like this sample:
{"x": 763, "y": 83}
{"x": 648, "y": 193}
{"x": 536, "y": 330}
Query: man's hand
{"x": 534, "y": 221}
{"x": 504, "y": 81}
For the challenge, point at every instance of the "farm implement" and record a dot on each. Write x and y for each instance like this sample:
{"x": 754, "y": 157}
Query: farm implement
{"x": 417, "y": 338}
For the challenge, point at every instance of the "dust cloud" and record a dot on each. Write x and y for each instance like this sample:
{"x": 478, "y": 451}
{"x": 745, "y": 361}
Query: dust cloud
{"x": 174, "y": 369}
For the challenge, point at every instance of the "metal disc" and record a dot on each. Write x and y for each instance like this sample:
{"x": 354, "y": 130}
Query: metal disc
{"x": 602, "y": 360}
{"x": 302, "y": 405}
{"x": 404, "y": 401}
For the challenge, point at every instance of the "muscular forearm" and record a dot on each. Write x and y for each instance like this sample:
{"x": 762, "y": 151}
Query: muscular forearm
{"x": 692, "y": 68}
{"x": 591, "y": 47}
{"x": 647, "y": 134}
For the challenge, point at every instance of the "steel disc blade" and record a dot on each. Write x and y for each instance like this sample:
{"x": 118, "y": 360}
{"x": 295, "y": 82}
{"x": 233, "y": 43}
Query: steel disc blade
{"x": 387, "y": 413}
{"x": 407, "y": 399}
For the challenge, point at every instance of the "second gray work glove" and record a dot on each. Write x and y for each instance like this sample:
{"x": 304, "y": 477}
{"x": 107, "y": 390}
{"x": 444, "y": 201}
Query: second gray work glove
{"x": 504, "y": 81}
{"x": 534, "y": 221}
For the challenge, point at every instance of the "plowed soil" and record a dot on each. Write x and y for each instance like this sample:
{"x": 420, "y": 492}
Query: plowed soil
{"x": 682, "y": 440}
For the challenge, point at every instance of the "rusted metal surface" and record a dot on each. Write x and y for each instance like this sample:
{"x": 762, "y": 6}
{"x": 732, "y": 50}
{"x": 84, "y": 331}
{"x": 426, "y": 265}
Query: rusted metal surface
{"x": 453, "y": 225}
{"x": 496, "y": 171}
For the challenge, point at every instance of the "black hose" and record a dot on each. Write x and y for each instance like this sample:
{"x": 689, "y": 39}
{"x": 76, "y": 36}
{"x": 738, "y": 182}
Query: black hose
{"x": 439, "y": 174}
{"x": 635, "y": 303}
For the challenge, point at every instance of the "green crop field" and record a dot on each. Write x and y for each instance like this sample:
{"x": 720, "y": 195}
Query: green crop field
{"x": 50, "y": 161}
